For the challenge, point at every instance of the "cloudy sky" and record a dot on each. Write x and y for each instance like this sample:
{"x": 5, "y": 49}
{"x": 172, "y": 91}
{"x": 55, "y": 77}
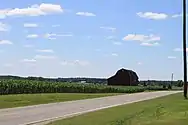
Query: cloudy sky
{"x": 91, "y": 38}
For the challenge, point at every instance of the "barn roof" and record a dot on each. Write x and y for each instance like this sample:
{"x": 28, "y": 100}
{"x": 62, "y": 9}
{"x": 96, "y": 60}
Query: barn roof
{"x": 124, "y": 70}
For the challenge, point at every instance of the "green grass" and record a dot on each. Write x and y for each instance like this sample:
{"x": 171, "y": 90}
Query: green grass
{"x": 168, "y": 110}
{"x": 9, "y": 101}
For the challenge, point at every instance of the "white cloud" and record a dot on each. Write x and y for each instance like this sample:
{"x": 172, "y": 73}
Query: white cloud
{"x": 34, "y": 10}
{"x": 30, "y": 11}
{"x": 139, "y": 63}
{"x": 171, "y": 57}
{"x": 108, "y": 28}
{"x": 8, "y": 65}
{"x": 140, "y": 37}
{"x": 32, "y": 36}
{"x": 56, "y": 25}
{"x": 28, "y": 46}
{"x": 53, "y": 36}
{"x": 45, "y": 50}
{"x": 75, "y": 63}
{"x": 117, "y": 43}
{"x": 50, "y": 36}
{"x": 65, "y": 35}
{"x": 110, "y": 37}
{"x": 5, "y": 42}
{"x": 85, "y": 14}
{"x": 44, "y": 57}
{"x": 149, "y": 44}
{"x": 114, "y": 54}
{"x": 4, "y": 27}
{"x": 151, "y": 15}
{"x": 178, "y": 15}
{"x": 50, "y": 8}
{"x": 28, "y": 60}
{"x": 2, "y": 13}
{"x": 30, "y": 25}
{"x": 64, "y": 63}
{"x": 146, "y": 40}
{"x": 179, "y": 49}
{"x": 82, "y": 63}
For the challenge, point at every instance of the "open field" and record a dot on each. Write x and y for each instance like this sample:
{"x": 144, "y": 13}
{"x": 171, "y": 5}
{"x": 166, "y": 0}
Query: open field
{"x": 9, "y": 101}
{"x": 33, "y": 86}
{"x": 168, "y": 110}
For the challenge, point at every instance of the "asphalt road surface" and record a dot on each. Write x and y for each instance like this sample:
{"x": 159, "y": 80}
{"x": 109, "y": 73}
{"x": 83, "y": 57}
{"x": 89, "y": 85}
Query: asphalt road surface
{"x": 41, "y": 114}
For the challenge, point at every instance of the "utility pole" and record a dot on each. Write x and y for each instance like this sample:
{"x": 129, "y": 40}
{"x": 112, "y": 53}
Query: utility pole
{"x": 184, "y": 49}
{"x": 172, "y": 78}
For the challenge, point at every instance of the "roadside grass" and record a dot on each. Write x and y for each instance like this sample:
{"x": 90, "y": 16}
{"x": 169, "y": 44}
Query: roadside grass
{"x": 18, "y": 100}
{"x": 168, "y": 110}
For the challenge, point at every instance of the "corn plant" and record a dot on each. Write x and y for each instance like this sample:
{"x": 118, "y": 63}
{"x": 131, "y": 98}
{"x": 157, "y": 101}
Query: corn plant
{"x": 31, "y": 86}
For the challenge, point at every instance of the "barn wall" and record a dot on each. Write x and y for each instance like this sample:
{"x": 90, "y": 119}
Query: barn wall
{"x": 124, "y": 77}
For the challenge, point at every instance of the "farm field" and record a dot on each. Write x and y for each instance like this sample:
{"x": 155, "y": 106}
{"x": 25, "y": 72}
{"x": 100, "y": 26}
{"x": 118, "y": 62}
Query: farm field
{"x": 31, "y": 87}
{"x": 168, "y": 110}
{"x": 18, "y": 100}
{"x": 16, "y": 93}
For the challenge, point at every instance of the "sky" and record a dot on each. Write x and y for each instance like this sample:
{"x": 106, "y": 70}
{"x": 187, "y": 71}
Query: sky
{"x": 91, "y": 38}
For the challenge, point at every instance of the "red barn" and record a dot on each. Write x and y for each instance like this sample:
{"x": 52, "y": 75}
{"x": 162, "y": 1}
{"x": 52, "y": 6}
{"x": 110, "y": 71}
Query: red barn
{"x": 124, "y": 77}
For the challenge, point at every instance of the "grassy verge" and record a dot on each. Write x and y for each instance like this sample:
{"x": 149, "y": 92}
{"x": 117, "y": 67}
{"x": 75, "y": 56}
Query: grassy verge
{"x": 9, "y": 101}
{"x": 168, "y": 110}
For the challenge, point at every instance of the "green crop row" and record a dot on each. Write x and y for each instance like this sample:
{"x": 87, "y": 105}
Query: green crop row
{"x": 30, "y": 86}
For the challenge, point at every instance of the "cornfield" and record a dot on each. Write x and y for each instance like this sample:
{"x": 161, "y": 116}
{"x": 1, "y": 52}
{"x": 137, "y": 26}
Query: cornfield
{"x": 31, "y": 86}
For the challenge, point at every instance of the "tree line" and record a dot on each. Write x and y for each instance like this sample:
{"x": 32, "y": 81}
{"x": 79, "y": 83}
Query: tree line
{"x": 178, "y": 83}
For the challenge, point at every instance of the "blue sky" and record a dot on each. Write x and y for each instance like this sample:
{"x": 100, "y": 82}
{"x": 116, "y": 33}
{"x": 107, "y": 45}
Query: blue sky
{"x": 95, "y": 38}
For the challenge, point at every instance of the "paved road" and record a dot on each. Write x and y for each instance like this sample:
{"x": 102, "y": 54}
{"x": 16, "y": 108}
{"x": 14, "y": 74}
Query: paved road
{"x": 46, "y": 112}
